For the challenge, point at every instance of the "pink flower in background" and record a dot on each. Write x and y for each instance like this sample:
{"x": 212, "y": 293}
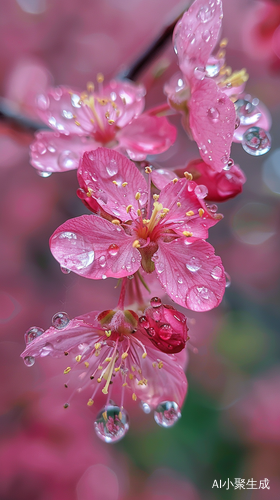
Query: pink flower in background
{"x": 111, "y": 116}
{"x": 168, "y": 239}
{"x": 107, "y": 350}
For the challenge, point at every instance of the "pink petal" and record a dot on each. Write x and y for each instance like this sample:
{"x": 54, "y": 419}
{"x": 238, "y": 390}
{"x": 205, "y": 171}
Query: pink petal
{"x": 196, "y": 34}
{"x": 60, "y": 109}
{"x": 162, "y": 177}
{"x": 190, "y": 197}
{"x": 95, "y": 248}
{"x": 168, "y": 383}
{"x": 129, "y": 97}
{"x": 56, "y": 342}
{"x": 212, "y": 122}
{"x": 147, "y": 135}
{"x": 99, "y": 171}
{"x": 191, "y": 273}
{"x": 54, "y": 152}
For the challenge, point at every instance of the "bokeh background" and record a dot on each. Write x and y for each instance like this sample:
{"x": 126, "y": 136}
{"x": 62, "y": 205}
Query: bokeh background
{"x": 230, "y": 425}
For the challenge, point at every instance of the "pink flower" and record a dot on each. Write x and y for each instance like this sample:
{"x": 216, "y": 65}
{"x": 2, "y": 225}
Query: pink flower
{"x": 83, "y": 121}
{"x": 168, "y": 239}
{"x": 108, "y": 350}
{"x": 221, "y": 185}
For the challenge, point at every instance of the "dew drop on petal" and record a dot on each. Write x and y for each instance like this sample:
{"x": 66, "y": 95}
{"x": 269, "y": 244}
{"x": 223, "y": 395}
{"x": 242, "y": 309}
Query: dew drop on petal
{"x": 160, "y": 267}
{"x": 155, "y": 302}
{"x": 165, "y": 332}
{"x": 206, "y": 35}
{"x": 46, "y": 350}
{"x": 228, "y": 280}
{"x": 60, "y": 320}
{"x": 145, "y": 407}
{"x": 43, "y": 102}
{"x": 75, "y": 101}
{"x": 151, "y": 331}
{"x": 199, "y": 73}
{"x": 167, "y": 414}
{"x": 32, "y": 334}
{"x": 111, "y": 424}
{"x": 144, "y": 322}
{"x": 102, "y": 261}
{"x": 213, "y": 114}
{"x": 68, "y": 160}
{"x": 67, "y": 114}
{"x": 201, "y": 298}
{"x": 217, "y": 273}
{"x": 193, "y": 265}
{"x": 113, "y": 249}
{"x": 64, "y": 270}
{"x": 44, "y": 174}
{"x": 205, "y": 14}
{"x": 29, "y": 360}
{"x": 256, "y": 141}
{"x": 112, "y": 168}
{"x": 201, "y": 191}
{"x": 104, "y": 277}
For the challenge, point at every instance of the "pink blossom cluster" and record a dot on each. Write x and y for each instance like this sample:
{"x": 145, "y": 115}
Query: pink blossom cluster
{"x": 145, "y": 226}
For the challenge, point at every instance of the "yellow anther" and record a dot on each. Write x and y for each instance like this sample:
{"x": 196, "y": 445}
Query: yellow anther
{"x": 120, "y": 415}
{"x": 178, "y": 204}
{"x": 97, "y": 346}
{"x": 124, "y": 384}
{"x": 102, "y": 101}
{"x": 108, "y": 333}
{"x": 113, "y": 104}
{"x": 224, "y": 42}
{"x": 187, "y": 234}
{"x": 154, "y": 364}
{"x": 189, "y": 213}
{"x": 201, "y": 212}
{"x": 174, "y": 180}
{"x": 136, "y": 244}
{"x": 160, "y": 364}
{"x": 67, "y": 370}
{"x": 97, "y": 353}
{"x": 124, "y": 184}
{"x": 140, "y": 382}
{"x": 115, "y": 182}
{"x": 130, "y": 376}
{"x": 100, "y": 78}
{"x": 107, "y": 114}
{"x": 116, "y": 222}
{"x": 145, "y": 381}
{"x": 108, "y": 359}
{"x": 90, "y": 86}
{"x": 128, "y": 208}
{"x": 89, "y": 192}
{"x": 77, "y": 123}
{"x": 78, "y": 358}
{"x": 146, "y": 221}
{"x": 134, "y": 397}
{"x": 188, "y": 176}
{"x": 111, "y": 122}
{"x": 104, "y": 415}
{"x": 100, "y": 367}
{"x": 117, "y": 369}
{"x": 86, "y": 364}
{"x": 148, "y": 170}
{"x": 132, "y": 369}
{"x": 156, "y": 197}
{"x": 92, "y": 120}
{"x": 139, "y": 212}
{"x": 139, "y": 371}
{"x": 137, "y": 196}
{"x": 124, "y": 355}
{"x": 165, "y": 210}
{"x": 90, "y": 402}
{"x": 99, "y": 380}
{"x": 144, "y": 355}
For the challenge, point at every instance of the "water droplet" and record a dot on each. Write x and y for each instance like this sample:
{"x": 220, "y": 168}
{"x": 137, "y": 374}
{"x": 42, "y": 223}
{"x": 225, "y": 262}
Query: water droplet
{"x": 205, "y": 14}
{"x": 191, "y": 38}
{"x": 64, "y": 270}
{"x": 155, "y": 302}
{"x": 167, "y": 413}
{"x": 194, "y": 264}
{"x": 60, "y": 320}
{"x": 43, "y": 102}
{"x": 111, "y": 424}
{"x": 199, "y": 73}
{"x": 145, "y": 407}
{"x": 46, "y": 350}
{"x": 102, "y": 261}
{"x": 213, "y": 114}
{"x": 180, "y": 280}
{"x": 68, "y": 160}
{"x": 67, "y": 114}
{"x": 206, "y": 35}
{"x": 144, "y": 322}
{"x": 113, "y": 249}
{"x": 29, "y": 360}
{"x": 217, "y": 273}
{"x": 225, "y": 159}
{"x": 75, "y": 100}
{"x": 41, "y": 148}
{"x": 201, "y": 298}
{"x": 112, "y": 168}
{"x": 160, "y": 267}
{"x": 256, "y": 141}
{"x": 228, "y": 280}
{"x": 32, "y": 334}
{"x": 45, "y": 175}
{"x": 201, "y": 191}
{"x": 165, "y": 332}
{"x": 212, "y": 208}
{"x": 247, "y": 112}
{"x": 104, "y": 277}
{"x": 230, "y": 164}
{"x": 151, "y": 331}
{"x": 237, "y": 122}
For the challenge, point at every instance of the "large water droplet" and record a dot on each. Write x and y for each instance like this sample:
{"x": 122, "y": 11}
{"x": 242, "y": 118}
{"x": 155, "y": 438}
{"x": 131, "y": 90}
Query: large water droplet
{"x": 113, "y": 249}
{"x": 199, "y": 73}
{"x": 201, "y": 191}
{"x": 165, "y": 331}
{"x": 67, "y": 114}
{"x": 68, "y": 160}
{"x": 213, "y": 114}
{"x": 60, "y": 320}
{"x": 102, "y": 261}
{"x": 75, "y": 100}
{"x": 45, "y": 175}
{"x": 155, "y": 302}
{"x": 217, "y": 273}
{"x": 112, "y": 168}
{"x": 145, "y": 407}
{"x": 201, "y": 298}
{"x": 194, "y": 264}
{"x": 256, "y": 141}
{"x": 46, "y": 350}
{"x": 247, "y": 112}
{"x": 167, "y": 413}
{"x": 111, "y": 424}
{"x": 32, "y": 334}
{"x": 64, "y": 270}
{"x": 205, "y": 14}
{"x": 29, "y": 360}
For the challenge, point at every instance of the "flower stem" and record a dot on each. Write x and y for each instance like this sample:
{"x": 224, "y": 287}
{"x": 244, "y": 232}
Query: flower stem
{"x": 122, "y": 294}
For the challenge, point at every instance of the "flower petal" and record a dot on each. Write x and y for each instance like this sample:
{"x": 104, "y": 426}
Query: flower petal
{"x": 60, "y": 109}
{"x": 191, "y": 273}
{"x": 147, "y": 135}
{"x": 129, "y": 98}
{"x": 212, "y": 122}
{"x": 112, "y": 181}
{"x": 166, "y": 380}
{"x": 95, "y": 248}
{"x": 54, "y": 152}
{"x": 196, "y": 34}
